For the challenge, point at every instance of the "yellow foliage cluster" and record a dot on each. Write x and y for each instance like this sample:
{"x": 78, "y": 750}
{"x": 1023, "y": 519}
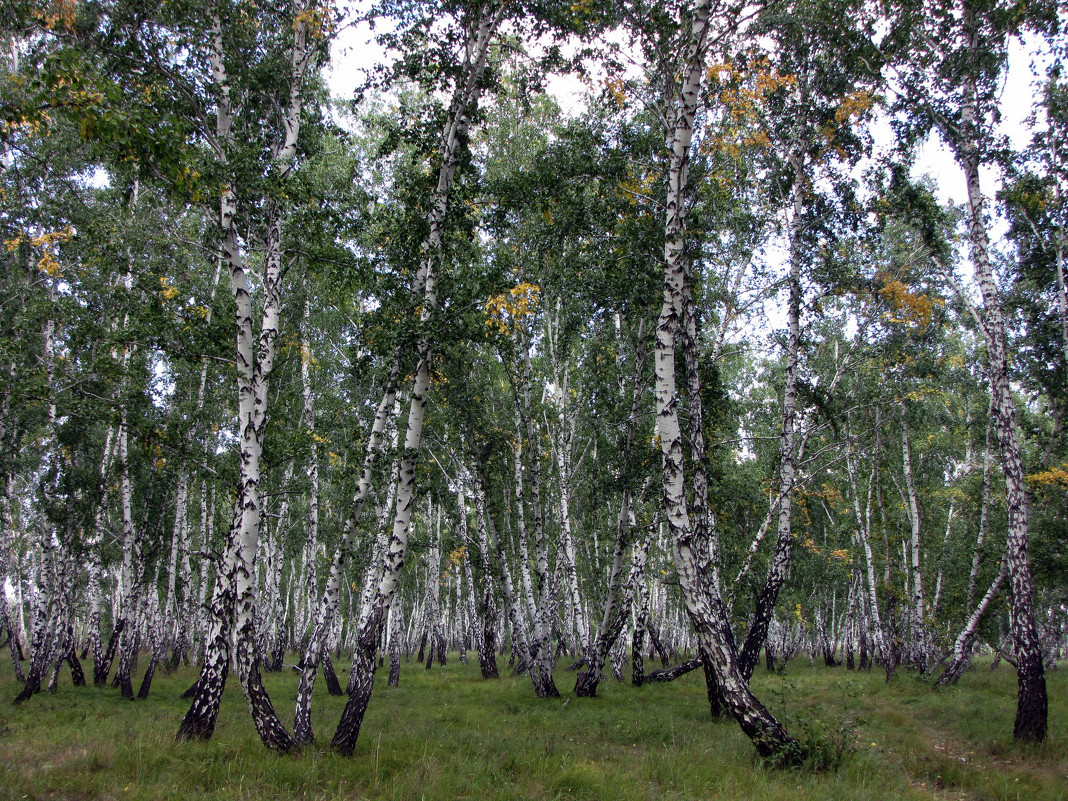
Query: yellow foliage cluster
{"x": 638, "y": 188}
{"x": 831, "y": 554}
{"x": 29, "y": 125}
{"x": 618, "y": 89}
{"x": 46, "y": 242}
{"x": 59, "y": 14}
{"x": 158, "y": 460}
{"x": 906, "y": 307}
{"x": 508, "y": 309}
{"x": 1053, "y": 477}
{"x": 319, "y": 20}
{"x": 167, "y": 291}
{"x": 188, "y": 179}
{"x": 854, "y": 105}
{"x": 741, "y": 93}
{"x": 456, "y": 557}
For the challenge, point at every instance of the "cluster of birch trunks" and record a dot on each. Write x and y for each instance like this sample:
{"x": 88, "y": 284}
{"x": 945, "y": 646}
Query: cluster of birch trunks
{"x": 502, "y": 561}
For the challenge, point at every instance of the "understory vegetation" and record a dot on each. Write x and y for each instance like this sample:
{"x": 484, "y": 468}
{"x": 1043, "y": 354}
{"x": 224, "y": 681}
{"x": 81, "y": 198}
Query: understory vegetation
{"x": 448, "y": 734}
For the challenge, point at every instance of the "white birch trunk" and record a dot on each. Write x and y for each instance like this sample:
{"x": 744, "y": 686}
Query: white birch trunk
{"x": 465, "y": 100}
{"x": 702, "y": 602}
{"x": 1032, "y": 704}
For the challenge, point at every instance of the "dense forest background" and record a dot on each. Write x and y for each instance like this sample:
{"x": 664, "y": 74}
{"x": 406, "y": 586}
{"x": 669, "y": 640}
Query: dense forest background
{"x": 697, "y": 370}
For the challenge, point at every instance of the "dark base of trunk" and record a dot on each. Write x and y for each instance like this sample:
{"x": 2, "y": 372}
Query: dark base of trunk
{"x": 586, "y": 683}
{"x": 199, "y": 721}
{"x": 487, "y": 662}
{"x": 657, "y": 645}
{"x": 544, "y": 686}
{"x": 146, "y": 682}
{"x": 717, "y": 706}
{"x": 348, "y": 728}
{"x": 77, "y": 675}
{"x": 333, "y": 686}
{"x": 1032, "y": 708}
{"x": 272, "y": 733}
{"x": 422, "y": 648}
{"x": 278, "y": 658}
{"x": 672, "y": 673}
{"x": 192, "y": 690}
{"x": 522, "y": 665}
{"x": 125, "y": 686}
{"x": 394, "y": 670}
{"x": 101, "y": 671}
{"x": 29, "y": 689}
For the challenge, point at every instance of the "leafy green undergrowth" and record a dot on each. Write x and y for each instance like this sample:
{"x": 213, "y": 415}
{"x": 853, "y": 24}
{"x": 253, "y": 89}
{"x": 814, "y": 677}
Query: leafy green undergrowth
{"x": 447, "y": 734}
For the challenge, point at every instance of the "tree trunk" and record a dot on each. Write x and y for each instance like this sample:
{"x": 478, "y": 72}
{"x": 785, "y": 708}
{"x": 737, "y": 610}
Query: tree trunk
{"x": 372, "y": 617}
{"x": 1032, "y": 705}
{"x": 703, "y": 603}
{"x": 918, "y": 643}
{"x": 780, "y": 560}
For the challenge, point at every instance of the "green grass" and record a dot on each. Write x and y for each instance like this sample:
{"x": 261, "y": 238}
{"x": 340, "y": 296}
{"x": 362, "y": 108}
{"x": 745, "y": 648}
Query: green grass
{"x": 447, "y": 734}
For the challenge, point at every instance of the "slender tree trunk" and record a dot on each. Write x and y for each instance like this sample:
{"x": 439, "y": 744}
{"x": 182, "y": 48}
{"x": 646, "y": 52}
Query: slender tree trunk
{"x": 1032, "y": 705}
{"x": 918, "y": 645}
{"x": 372, "y": 617}
{"x": 542, "y": 656}
{"x": 780, "y": 560}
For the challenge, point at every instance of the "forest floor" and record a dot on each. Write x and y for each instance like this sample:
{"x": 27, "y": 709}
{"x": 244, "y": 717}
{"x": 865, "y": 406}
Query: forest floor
{"x": 447, "y": 734}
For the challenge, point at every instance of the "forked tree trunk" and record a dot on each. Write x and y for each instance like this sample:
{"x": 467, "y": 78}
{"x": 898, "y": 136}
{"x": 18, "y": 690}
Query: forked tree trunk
{"x": 703, "y": 604}
{"x": 255, "y": 362}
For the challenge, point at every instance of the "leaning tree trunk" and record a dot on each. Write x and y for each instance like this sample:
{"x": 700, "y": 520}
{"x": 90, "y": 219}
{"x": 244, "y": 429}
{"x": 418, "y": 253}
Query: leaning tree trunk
{"x": 780, "y": 560}
{"x": 372, "y": 617}
{"x": 1032, "y": 704}
{"x": 703, "y": 604}
{"x": 962, "y": 645}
